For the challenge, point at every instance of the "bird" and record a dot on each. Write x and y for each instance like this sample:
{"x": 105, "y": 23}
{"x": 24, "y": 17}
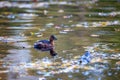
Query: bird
{"x": 46, "y": 45}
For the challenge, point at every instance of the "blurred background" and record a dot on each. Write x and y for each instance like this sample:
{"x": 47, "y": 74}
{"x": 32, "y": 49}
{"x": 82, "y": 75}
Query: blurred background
{"x": 79, "y": 25}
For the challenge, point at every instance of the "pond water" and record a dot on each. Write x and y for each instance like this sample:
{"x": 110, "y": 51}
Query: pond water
{"x": 92, "y": 27}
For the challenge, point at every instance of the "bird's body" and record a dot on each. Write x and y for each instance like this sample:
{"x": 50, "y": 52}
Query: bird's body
{"x": 43, "y": 45}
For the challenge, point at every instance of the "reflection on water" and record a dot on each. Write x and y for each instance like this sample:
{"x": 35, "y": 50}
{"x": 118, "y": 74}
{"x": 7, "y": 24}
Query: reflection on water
{"x": 93, "y": 31}
{"x": 22, "y": 56}
{"x": 21, "y": 21}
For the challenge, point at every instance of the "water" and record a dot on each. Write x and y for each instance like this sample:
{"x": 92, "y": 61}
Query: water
{"x": 92, "y": 27}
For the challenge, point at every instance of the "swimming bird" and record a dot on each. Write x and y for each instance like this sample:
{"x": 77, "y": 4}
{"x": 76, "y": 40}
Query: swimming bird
{"x": 46, "y": 45}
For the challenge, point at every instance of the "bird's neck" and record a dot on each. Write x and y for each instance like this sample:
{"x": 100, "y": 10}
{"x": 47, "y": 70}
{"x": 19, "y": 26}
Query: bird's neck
{"x": 52, "y": 42}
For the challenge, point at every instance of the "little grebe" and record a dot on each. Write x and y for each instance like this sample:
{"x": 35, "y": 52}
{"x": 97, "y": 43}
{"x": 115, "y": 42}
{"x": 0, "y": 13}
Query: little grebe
{"x": 46, "y": 45}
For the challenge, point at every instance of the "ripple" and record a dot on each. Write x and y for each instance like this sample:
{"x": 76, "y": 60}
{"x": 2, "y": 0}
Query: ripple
{"x": 98, "y": 24}
{"x": 20, "y": 27}
{"x": 21, "y": 20}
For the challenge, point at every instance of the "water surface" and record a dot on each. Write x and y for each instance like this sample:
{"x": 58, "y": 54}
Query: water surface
{"x": 78, "y": 29}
